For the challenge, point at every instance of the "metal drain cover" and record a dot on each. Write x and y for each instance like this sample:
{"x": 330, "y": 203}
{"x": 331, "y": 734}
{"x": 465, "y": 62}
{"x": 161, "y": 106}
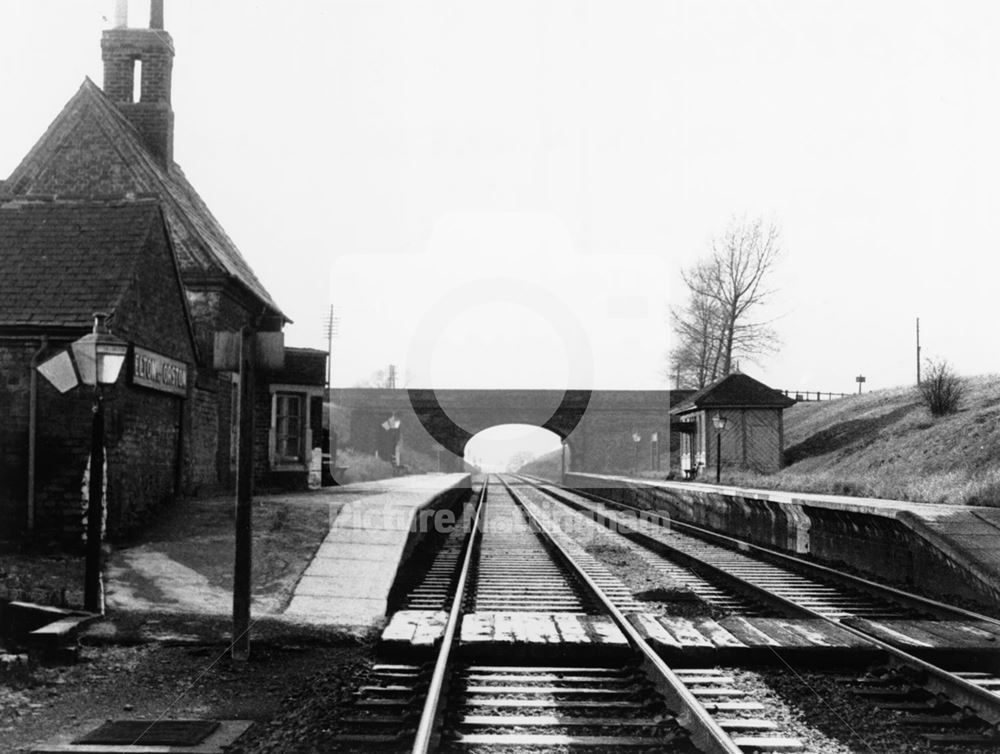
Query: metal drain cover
{"x": 151, "y": 733}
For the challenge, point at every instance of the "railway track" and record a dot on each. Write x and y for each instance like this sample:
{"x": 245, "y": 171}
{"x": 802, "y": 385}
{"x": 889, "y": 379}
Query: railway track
{"x": 967, "y": 699}
{"x": 515, "y": 562}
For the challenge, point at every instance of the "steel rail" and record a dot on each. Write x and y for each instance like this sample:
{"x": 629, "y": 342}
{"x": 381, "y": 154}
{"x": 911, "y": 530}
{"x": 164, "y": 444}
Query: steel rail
{"x": 985, "y": 703}
{"x": 425, "y": 737}
{"x": 942, "y": 609}
{"x": 705, "y": 733}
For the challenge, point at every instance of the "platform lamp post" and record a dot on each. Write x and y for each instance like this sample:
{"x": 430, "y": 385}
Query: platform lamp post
{"x": 391, "y": 425}
{"x": 720, "y": 424}
{"x": 636, "y": 439}
{"x": 97, "y": 360}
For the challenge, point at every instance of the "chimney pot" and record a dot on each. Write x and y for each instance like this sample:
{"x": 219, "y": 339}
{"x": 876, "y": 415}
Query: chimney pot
{"x": 156, "y": 14}
{"x": 121, "y": 14}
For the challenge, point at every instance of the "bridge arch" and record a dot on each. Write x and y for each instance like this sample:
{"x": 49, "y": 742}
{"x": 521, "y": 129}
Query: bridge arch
{"x": 507, "y": 446}
{"x": 597, "y": 426}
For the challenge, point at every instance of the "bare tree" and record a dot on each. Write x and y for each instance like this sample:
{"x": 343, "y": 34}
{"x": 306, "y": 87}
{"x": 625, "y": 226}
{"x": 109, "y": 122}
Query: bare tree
{"x": 726, "y": 292}
{"x": 696, "y": 356}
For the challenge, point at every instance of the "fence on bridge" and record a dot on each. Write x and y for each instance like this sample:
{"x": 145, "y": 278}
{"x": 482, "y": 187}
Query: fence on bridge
{"x": 814, "y": 395}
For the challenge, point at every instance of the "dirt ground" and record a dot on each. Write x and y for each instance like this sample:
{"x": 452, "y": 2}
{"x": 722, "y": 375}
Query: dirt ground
{"x": 163, "y": 648}
{"x": 174, "y": 681}
{"x": 185, "y": 558}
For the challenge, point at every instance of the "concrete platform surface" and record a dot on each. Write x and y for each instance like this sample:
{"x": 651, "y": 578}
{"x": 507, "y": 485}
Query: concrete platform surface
{"x": 376, "y": 528}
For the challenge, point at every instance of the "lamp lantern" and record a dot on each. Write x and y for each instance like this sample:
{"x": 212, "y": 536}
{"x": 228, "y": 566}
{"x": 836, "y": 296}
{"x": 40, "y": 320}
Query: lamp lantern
{"x": 99, "y": 355}
{"x": 720, "y": 422}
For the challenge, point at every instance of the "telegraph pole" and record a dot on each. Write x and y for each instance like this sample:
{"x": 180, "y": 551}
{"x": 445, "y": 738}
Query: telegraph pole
{"x": 918, "y": 350}
{"x": 244, "y": 502}
{"x": 331, "y": 328}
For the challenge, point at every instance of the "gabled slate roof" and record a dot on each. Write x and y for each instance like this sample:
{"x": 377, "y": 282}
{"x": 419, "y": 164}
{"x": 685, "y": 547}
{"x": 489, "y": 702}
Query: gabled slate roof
{"x": 61, "y": 262}
{"x": 734, "y": 391}
{"x": 91, "y": 149}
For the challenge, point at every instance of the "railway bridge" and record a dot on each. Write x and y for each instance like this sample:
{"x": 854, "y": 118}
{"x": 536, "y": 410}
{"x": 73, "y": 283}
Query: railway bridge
{"x": 596, "y": 426}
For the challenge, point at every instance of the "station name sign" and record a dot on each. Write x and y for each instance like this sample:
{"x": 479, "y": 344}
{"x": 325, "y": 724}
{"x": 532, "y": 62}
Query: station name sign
{"x": 158, "y": 372}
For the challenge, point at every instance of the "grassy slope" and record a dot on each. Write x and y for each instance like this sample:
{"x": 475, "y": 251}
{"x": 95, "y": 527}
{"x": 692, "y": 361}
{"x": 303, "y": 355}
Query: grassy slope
{"x": 883, "y": 444}
{"x": 548, "y": 466}
{"x": 886, "y": 444}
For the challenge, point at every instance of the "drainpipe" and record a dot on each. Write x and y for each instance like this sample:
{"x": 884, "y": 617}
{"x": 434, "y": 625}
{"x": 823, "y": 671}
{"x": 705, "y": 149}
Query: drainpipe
{"x": 32, "y": 421}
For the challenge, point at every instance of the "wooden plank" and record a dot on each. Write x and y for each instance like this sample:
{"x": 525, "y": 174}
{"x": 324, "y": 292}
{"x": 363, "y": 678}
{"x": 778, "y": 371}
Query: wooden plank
{"x": 745, "y": 631}
{"x": 537, "y": 628}
{"x": 430, "y": 628}
{"x": 570, "y": 628}
{"x": 477, "y": 627}
{"x": 769, "y": 743}
{"x": 684, "y": 631}
{"x": 823, "y": 634}
{"x": 64, "y": 627}
{"x": 956, "y": 634}
{"x": 718, "y": 634}
{"x": 402, "y": 626}
{"x": 503, "y": 627}
{"x": 887, "y": 632}
{"x": 603, "y": 630}
{"x": 651, "y": 630}
{"x": 552, "y": 740}
{"x": 777, "y": 629}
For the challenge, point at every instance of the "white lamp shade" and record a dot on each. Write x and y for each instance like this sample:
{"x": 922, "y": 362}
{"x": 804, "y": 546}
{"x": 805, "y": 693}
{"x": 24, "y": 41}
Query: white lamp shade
{"x": 110, "y": 365}
{"x": 59, "y": 371}
{"x": 85, "y": 357}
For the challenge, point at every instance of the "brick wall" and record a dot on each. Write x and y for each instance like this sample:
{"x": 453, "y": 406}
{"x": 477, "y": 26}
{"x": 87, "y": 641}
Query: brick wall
{"x": 151, "y": 115}
{"x": 143, "y": 427}
{"x": 203, "y": 459}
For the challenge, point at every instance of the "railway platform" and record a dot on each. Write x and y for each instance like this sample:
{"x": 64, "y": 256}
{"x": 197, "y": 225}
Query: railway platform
{"x": 945, "y": 550}
{"x": 376, "y": 529}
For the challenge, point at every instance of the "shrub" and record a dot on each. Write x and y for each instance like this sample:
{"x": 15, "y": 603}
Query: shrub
{"x": 941, "y": 389}
{"x": 363, "y": 467}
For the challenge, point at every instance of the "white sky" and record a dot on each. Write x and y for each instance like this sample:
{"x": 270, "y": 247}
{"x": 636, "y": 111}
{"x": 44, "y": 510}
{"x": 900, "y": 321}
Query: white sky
{"x": 417, "y": 151}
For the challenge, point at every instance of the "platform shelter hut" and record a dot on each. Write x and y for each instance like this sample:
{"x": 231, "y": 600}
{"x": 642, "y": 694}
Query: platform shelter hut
{"x": 752, "y": 428}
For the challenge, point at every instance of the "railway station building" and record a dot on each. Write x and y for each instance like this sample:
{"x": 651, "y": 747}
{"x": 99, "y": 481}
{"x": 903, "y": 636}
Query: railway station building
{"x": 736, "y": 422}
{"x": 99, "y": 217}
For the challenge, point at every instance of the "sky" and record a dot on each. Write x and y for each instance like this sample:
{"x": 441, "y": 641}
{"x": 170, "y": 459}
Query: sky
{"x": 503, "y": 194}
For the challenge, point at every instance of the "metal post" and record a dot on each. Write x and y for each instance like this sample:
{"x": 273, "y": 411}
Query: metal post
{"x": 244, "y": 504}
{"x": 95, "y": 510}
{"x": 718, "y": 456}
{"x": 918, "y": 350}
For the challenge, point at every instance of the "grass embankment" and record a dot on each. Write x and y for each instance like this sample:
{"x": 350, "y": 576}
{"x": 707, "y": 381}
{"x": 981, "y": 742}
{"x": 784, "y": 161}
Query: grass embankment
{"x": 886, "y": 444}
{"x": 883, "y": 444}
{"x": 548, "y": 466}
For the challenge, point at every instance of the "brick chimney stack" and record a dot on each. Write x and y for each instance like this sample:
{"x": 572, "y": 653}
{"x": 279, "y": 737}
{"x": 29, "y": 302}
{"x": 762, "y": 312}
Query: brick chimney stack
{"x": 122, "y": 48}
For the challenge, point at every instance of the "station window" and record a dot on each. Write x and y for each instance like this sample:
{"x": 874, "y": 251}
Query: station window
{"x": 289, "y": 424}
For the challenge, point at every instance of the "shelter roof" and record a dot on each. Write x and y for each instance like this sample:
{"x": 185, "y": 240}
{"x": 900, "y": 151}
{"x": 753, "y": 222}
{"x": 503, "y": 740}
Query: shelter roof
{"x": 734, "y": 391}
